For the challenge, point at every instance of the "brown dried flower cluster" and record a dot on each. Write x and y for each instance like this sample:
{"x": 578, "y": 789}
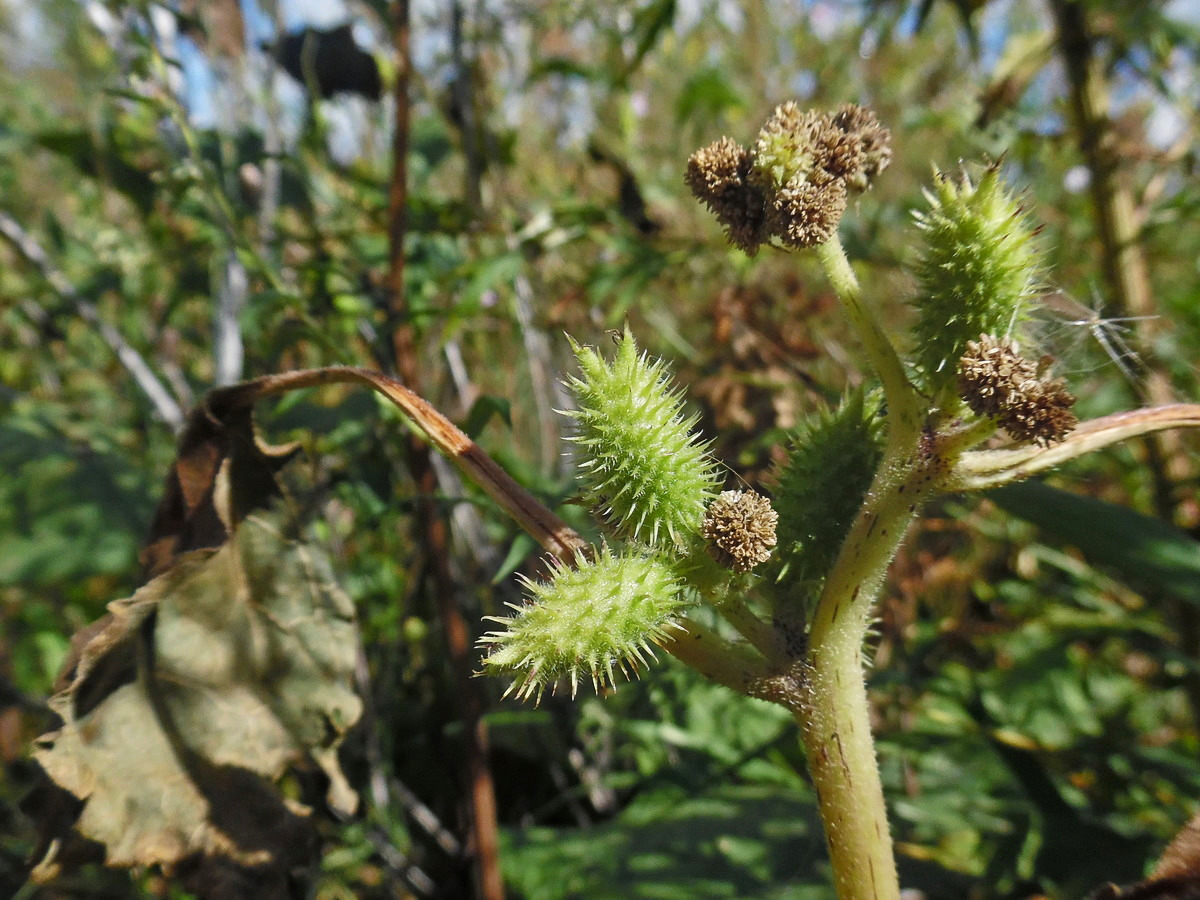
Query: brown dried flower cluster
{"x": 740, "y": 529}
{"x": 996, "y": 381}
{"x": 874, "y": 142}
{"x": 794, "y": 183}
{"x": 719, "y": 174}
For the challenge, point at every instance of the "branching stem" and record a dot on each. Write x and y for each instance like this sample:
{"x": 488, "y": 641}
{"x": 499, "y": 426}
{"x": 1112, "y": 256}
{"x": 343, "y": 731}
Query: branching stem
{"x": 736, "y": 666}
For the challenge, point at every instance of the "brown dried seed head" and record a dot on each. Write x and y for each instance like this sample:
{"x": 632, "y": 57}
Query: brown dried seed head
{"x": 842, "y": 155}
{"x": 996, "y": 381}
{"x": 740, "y": 529}
{"x": 991, "y": 374}
{"x": 806, "y": 214}
{"x": 876, "y": 142}
{"x": 718, "y": 175}
{"x": 787, "y": 116}
{"x": 1043, "y": 415}
{"x": 718, "y": 169}
{"x": 745, "y": 225}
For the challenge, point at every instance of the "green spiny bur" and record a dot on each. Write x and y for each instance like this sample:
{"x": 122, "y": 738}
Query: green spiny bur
{"x": 977, "y": 271}
{"x": 586, "y": 623}
{"x": 832, "y": 460}
{"x": 643, "y": 468}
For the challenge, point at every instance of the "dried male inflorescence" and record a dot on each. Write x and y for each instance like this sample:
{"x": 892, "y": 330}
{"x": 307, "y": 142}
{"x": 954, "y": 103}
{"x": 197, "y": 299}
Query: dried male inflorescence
{"x": 996, "y": 381}
{"x": 740, "y": 529}
{"x": 793, "y": 184}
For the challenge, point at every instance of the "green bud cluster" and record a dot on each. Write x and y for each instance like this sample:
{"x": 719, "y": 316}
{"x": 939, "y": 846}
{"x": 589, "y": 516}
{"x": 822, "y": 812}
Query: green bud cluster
{"x": 977, "y": 272}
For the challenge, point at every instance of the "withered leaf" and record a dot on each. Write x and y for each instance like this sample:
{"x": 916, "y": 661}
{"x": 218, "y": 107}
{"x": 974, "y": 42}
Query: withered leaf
{"x": 195, "y": 512}
{"x": 182, "y": 705}
{"x": 1181, "y": 859}
{"x": 244, "y": 667}
{"x": 218, "y": 434}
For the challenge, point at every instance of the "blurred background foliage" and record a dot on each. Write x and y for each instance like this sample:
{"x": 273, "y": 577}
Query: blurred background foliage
{"x": 1037, "y": 660}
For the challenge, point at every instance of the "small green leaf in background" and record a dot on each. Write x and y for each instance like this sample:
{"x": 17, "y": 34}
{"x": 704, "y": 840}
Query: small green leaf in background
{"x": 1146, "y": 552}
{"x": 482, "y": 412}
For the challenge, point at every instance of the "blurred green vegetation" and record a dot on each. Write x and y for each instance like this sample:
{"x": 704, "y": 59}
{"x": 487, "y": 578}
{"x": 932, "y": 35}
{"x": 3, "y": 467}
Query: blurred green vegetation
{"x": 1037, "y": 686}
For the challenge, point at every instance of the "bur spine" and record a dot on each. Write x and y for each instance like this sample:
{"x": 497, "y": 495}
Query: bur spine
{"x": 831, "y": 461}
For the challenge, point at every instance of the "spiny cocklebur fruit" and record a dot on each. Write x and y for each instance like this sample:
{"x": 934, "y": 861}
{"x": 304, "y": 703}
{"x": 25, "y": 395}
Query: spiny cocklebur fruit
{"x": 830, "y": 464}
{"x": 643, "y": 468}
{"x": 792, "y": 184}
{"x": 586, "y": 622}
{"x": 651, "y": 481}
{"x": 978, "y": 271}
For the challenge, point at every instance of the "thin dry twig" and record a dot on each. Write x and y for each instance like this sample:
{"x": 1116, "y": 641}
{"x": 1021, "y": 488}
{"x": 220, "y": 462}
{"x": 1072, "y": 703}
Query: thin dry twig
{"x": 983, "y": 469}
{"x": 555, "y": 535}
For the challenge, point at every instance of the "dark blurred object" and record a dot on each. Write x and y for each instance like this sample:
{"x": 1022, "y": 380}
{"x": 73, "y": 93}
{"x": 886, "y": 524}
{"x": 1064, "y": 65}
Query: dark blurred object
{"x": 329, "y": 60}
{"x": 966, "y": 10}
{"x": 1069, "y": 833}
{"x": 1155, "y": 889}
{"x": 630, "y": 203}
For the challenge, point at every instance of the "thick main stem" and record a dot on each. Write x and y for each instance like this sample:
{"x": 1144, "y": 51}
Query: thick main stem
{"x": 835, "y": 714}
{"x": 845, "y": 773}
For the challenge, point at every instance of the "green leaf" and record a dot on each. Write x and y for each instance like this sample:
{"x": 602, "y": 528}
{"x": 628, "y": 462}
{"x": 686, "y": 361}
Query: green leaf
{"x": 520, "y": 548}
{"x": 730, "y": 840}
{"x": 104, "y": 161}
{"x": 1144, "y": 551}
{"x": 482, "y": 411}
{"x": 560, "y": 65}
{"x": 68, "y": 511}
{"x": 649, "y": 23}
{"x": 706, "y": 96}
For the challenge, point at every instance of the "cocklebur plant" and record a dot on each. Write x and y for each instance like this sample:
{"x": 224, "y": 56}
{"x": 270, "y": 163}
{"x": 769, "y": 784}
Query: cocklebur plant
{"x": 857, "y": 474}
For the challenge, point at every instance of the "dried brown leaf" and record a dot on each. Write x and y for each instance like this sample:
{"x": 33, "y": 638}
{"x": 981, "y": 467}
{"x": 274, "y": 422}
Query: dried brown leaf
{"x": 243, "y": 663}
{"x": 217, "y": 434}
{"x": 183, "y": 705}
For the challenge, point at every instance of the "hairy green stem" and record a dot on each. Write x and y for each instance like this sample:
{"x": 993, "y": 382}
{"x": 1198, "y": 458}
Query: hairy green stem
{"x": 761, "y": 635}
{"x": 958, "y": 440}
{"x": 903, "y": 402}
{"x": 833, "y": 712}
{"x": 835, "y": 715}
{"x": 736, "y": 666}
{"x": 980, "y": 470}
